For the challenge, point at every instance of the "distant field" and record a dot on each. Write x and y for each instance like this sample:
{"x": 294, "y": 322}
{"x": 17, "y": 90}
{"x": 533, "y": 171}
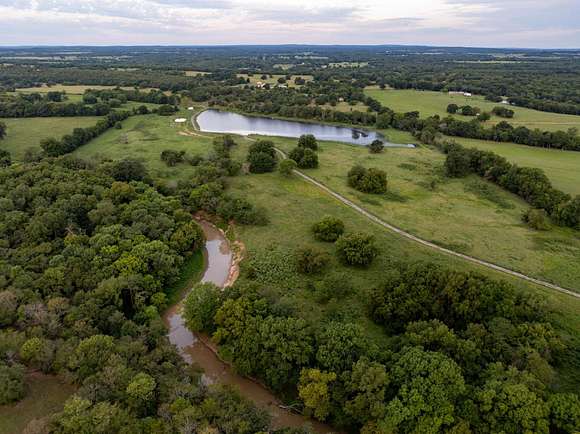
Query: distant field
{"x": 72, "y": 89}
{"x": 144, "y": 138}
{"x": 195, "y": 73}
{"x": 24, "y": 133}
{"x": 435, "y": 103}
{"x": 274, "y": 79}
{"x": 45, "y": 395}
{"x": 562, "y": 167}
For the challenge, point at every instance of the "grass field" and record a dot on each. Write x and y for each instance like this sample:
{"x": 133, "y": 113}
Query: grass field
{"x": 24, "y": 133}
{"x": 273, "y": 80}
{"x": 45, "y": 395}
{"x": 144, "y": 138}
{"x": 469, "y": 215}
{"x": 562, "y": 167}
{"x": 430, "y": 103}
{"x": 294, "y": 205}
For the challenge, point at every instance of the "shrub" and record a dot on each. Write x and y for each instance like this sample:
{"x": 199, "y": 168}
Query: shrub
{"x": 452, "y": 108}
{"x": 128, "y": 170}
{"x": 376, "y": 147}
{"x": 166, "y": 110}
{"x": 368, "y": 180}
{"x": 12, "y": 381}
{"x": 568, "y": 213}
{"x": 118, "y": 126}
{"x": 457, "y": 163}
{"x": 287, "y": 166}
{"x": 305, "y": 158}
{"x": 171, "y": 157}
{"x": 536, "y": 219}
{"x": 261, "y": 162}
{"x": 328, "y": 229}
{"x": 308, "y": 141}
{"x": 310, "y": 261}
{"x": 5, "y": 158}
{"x": 356, "y": 249}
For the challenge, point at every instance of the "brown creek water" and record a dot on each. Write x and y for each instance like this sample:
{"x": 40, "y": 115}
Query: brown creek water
{"x": 198, "y": 349}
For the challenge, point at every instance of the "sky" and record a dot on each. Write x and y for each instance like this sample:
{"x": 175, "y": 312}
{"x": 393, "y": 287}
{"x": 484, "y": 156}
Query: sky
{"x": 477, "y": 23}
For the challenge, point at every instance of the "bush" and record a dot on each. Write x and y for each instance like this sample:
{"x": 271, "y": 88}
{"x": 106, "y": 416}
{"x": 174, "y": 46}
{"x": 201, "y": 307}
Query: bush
{"x": 368, "y": 180}
{"x": 128, "y": 170}
{"x": 328, "y": 229}
{"x": 308, "y": 141}
{"x": 166, "y": 110}
{"x": 12, "y": 381}
{"x": 356, "y": 249}
{"x": 310, "y": 261}
{"x": 261, "y": 162}
{"x": 287, "y": 166}
{"x": 568, "y": 213}
{"x": 376, "y": 147}
{"x": 536, "y": 219}
{"x": 305, "y": 158}
{"x": 171, "y": 157}
{"x": 264, "y": 146}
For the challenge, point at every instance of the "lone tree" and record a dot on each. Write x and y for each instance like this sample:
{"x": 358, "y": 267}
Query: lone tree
{"x": 368, "y": 180}
{"x": 2, "y": 130}
{"x": 262, "y": 157}
{"x": 308, "y": 141}
{"x": 356, "y": 249}
{"x": 376, "y": 147}
{"x": 452, "y": 108}
{"x": 328, "y": 229}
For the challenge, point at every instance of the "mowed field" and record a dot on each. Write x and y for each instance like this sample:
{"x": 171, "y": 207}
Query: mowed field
{"x": 430, "y": 103}
{"x": 561, "y": 167}
{"x": 25, "y": 133}
{"x": 46, "y": 395}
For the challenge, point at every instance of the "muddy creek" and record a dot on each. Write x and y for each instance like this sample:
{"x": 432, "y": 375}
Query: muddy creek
{"x": 198, "y": 349}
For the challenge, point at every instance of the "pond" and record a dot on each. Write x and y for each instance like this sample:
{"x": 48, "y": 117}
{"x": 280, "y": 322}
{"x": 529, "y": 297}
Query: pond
{"x": 217, "y": 121}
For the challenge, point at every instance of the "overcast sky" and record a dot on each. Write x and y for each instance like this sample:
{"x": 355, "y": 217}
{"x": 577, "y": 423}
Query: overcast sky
{"x": 488, "y": 23}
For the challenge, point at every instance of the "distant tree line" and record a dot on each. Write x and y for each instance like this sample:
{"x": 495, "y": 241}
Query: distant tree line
{"x": 22, "y": 108}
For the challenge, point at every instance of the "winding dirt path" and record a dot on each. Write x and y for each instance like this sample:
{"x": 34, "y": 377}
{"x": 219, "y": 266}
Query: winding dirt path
{"x": 426, "y": 243}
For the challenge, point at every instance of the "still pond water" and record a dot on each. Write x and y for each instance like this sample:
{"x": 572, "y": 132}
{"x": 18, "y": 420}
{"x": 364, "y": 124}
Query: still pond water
{"x": 217, "y": 121}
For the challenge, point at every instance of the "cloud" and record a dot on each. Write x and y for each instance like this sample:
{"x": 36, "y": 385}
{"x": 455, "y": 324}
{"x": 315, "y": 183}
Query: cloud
{"x": 427, "y": 22}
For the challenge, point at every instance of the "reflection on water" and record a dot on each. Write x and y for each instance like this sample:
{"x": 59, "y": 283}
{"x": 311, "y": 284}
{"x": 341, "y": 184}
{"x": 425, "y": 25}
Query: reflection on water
{"x": 219, "y": 258}
{"x": 216, "y": 121}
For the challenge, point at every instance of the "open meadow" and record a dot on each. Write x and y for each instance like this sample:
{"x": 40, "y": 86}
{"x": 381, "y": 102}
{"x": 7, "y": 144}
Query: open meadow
{"x": 429, "y": 103}
{"x": 27, "y": 133}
